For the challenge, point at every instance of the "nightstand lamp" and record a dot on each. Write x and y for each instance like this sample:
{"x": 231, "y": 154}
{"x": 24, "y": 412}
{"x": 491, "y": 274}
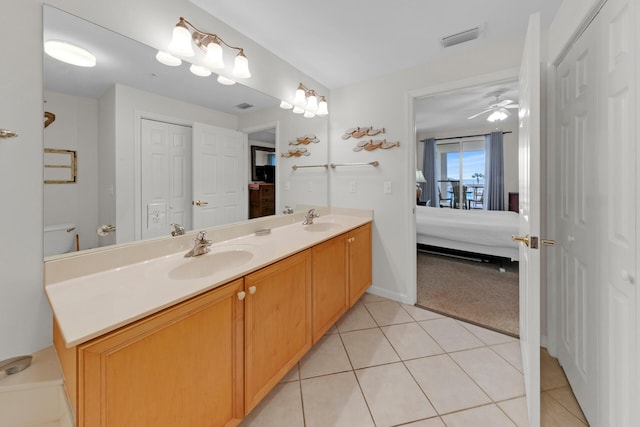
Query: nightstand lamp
{"x": 419, "y": 180}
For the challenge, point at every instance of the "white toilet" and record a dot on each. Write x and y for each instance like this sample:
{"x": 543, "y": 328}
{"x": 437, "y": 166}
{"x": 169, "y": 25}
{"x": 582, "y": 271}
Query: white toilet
{"x": 59, "y": 239}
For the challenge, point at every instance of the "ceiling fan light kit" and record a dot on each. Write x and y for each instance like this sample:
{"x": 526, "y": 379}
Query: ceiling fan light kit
{"x": 498, "y": 110}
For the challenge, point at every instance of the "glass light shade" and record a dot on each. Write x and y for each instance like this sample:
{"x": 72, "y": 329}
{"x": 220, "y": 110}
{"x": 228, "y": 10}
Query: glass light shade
{"x": 297, "y": 110}
{"x": 420, "y": 177}
{"x": 497, "y": 116}
{"x": 285, "y": 105}
{"x": 301, "y": 97}
{"x": 69, "y": 53}
{"x": 309, "y": 115}
{"x": 322, "y": 107}
{"x": 312, "y": 104}
{"x": 225, "y": 81}
{"x": 241, "y": 67}
{"x": 167, "y": 59}
{"x": 199, "y": 70}
{"x": 213, "y": 58}
{"x": 181, "y": 41}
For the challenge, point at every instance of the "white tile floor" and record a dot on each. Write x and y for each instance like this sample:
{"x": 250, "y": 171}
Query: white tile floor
{"x": 389, "y": 364}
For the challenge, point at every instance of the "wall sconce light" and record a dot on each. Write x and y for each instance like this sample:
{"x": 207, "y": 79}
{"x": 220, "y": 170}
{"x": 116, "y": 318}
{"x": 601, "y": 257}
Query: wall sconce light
{"x": 307, "y": 102}
{"x": 184, "y": 33}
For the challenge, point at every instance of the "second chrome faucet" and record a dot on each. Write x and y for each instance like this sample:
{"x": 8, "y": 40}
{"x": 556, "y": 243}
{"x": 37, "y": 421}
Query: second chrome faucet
{"x": 200, "y": 246}
{"x": 309, "y": 217}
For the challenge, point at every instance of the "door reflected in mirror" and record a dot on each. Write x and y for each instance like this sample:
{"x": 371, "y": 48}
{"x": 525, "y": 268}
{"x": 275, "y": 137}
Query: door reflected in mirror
{"x": 263, "y": 164}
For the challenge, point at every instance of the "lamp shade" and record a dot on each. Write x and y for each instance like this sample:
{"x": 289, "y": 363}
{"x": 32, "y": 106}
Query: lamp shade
{"x": 167, "y": 59}
{"x": 420, "y": 177}
{"x": 225, "y": 81}
{"x": 312, "y": 103}
{"x": 297, "y": 110}
{"x": 213, "y": 58}
{"x": 241, "y": 67}
{"x": 300, "y": 98}
{"x": 322, "y": 107}
{"x": 285, "y": 105}
{"x": 181, "y": 41}
{"x": 199, "y": 70}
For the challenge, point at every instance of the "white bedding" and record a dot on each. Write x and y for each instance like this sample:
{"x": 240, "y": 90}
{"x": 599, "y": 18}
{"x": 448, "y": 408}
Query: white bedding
{"x": 479, "y": 231}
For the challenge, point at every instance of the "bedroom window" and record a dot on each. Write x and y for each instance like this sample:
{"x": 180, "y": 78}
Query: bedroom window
{"x": 461, "y": 162}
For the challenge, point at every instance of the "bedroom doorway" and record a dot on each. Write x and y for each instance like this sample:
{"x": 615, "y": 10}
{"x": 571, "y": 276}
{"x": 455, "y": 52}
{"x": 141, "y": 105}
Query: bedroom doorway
{"x": 470, "y": 282}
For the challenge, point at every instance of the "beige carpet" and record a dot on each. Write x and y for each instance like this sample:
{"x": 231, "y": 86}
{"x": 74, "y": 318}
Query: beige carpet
{"x": 471, "y": 291}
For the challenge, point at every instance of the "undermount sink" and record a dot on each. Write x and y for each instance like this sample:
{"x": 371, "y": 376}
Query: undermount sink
{"x": 220, "y": 258}
{"x": 321, "y": 226}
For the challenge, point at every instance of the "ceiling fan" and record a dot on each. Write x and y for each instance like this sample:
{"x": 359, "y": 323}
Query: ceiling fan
{"x": 499, "y": 110}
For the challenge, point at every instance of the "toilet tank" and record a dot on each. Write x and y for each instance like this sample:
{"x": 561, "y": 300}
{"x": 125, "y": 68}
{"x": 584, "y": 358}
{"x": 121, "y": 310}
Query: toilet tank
{"x": 59, "y": 239}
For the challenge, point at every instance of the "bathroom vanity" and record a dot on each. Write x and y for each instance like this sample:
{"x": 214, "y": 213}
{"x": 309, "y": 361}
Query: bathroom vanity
{"x": 141, "y": 344}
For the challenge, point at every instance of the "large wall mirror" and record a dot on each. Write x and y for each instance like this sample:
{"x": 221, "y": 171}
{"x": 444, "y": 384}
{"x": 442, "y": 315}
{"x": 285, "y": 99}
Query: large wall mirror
{"x": 113, "y": 115}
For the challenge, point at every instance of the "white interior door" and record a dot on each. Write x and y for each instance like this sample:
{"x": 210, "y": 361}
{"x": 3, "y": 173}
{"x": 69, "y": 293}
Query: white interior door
{"x": 618, "y": 195}
{"x": 219, "y": 176}
{"x": 529, "y": 186}
{"x": 165, "y": 177}
{"x": 577, "y": 166}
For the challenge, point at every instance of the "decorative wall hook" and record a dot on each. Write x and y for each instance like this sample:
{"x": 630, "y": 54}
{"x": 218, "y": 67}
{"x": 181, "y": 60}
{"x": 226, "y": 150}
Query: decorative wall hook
{"x": 6, "y": 133}
{"x": 49, "y": 118}
{"x": 359, "y": 132}
{"x": 374, "y": 145}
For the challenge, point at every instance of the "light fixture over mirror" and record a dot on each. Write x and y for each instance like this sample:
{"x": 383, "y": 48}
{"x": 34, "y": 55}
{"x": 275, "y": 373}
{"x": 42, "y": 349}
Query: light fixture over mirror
{"x": 307, "y": 102}
{"x": 185, "y": 32}
{"x": 69, "y": 53}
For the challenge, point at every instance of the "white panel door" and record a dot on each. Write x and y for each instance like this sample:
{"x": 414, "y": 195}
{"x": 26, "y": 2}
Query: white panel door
{"x": 529, "y": 186}
{"x": 577, "y": 216}
{"x": 618, "y": 193}
{"x": 219, "y": 176}
{"x": 165, "y": 177}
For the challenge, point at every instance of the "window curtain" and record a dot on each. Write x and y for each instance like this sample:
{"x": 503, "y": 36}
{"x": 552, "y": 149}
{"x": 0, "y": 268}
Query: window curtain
{"x": 429, "y": 171}
{"x": 494, "y": 172}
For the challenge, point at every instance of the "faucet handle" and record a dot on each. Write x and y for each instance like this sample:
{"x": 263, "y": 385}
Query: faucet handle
{"x": 202, "y": 235}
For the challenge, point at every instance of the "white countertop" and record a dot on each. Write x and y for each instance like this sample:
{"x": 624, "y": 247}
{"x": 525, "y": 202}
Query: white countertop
{"x": 90, "y": 305}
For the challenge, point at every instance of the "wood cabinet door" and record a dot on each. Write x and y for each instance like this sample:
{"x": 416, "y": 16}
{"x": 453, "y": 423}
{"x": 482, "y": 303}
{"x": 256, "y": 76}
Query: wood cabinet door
{"x": 277, "y": 323}
{"x": 330, "y": 285}
{"x": 359, "y": 242}
{"x": 182, "y": 366}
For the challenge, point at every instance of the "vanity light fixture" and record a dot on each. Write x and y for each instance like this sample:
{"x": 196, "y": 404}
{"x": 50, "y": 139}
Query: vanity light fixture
{"x": 306, "y": 101}
{"x": 184, "y": 33}
{"x": 69, "y": 53}
{"x": 199, "y": 70}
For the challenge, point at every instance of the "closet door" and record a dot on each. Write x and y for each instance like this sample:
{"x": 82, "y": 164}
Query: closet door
{"x": 618, "y": 156}
{"x": 577, "y": 168}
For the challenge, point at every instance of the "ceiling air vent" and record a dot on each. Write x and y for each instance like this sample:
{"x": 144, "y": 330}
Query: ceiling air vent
{"x": 244, "y": 106}
{"x": 462, "y": 37}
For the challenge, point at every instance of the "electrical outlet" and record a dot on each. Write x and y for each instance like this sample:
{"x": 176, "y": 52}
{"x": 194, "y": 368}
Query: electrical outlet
{"x": 387, "y": 187}
{"x": 353, "y": 187}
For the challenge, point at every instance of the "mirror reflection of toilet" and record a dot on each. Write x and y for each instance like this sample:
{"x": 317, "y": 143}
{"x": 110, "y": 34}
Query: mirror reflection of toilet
{"x": 59, "y": 239}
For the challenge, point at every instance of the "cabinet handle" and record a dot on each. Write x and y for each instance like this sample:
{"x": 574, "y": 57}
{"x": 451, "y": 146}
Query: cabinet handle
{"x": 252, "y": 290}
{"x": 241, "y": 295}
{"x": 351, "y": 239}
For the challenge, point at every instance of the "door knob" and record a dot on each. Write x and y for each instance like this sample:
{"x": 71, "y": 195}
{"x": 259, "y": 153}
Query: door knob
{"x": 241, "y": 295}
{"x": 524, "y": 239}
{"x": 200, "y": 203}
{"x": 626, "y": 276}
{"x": 252, "y": 290}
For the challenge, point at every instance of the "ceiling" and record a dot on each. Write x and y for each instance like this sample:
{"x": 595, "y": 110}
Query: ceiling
{"x": 339, "y": 42}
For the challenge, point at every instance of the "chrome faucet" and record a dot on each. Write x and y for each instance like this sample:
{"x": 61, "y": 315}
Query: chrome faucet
{"x": 178, "y": 230}
{"x": 308, "y": 218}
{"x": 288, "y": 210}
{"x": 201, "y": 245}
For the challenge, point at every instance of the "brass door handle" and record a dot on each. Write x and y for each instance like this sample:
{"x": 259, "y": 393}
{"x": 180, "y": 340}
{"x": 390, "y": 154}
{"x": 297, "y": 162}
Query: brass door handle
{"x": 524, "y": 239}
{"x": 532, "y": 241}
{"x": 200, "y": 203}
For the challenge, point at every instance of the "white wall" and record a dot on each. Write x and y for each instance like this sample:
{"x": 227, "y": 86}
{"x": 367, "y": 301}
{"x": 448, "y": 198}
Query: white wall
{"x": 75, "y": 128}
{"x": 26, "y": 317}
{"x": 384, "y": 102}
{"x": 567, "y": 20}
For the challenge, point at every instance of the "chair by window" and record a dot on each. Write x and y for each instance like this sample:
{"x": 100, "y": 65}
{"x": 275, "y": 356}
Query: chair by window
{"x": 456, "y": 197}
{"x": 443, "y": 201}
{"x": 478, "y": 199}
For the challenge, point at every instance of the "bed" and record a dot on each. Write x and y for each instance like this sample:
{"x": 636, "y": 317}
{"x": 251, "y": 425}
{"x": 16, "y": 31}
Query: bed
{"x": 477, "y": 231}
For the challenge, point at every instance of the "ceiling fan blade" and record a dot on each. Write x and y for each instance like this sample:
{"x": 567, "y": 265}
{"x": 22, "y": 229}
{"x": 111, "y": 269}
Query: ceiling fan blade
{"x": 504, "y": 110}
{"x": 480, "y": 113}
{"x": 504, "y": 102}
{"x": 512, "y": 106}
